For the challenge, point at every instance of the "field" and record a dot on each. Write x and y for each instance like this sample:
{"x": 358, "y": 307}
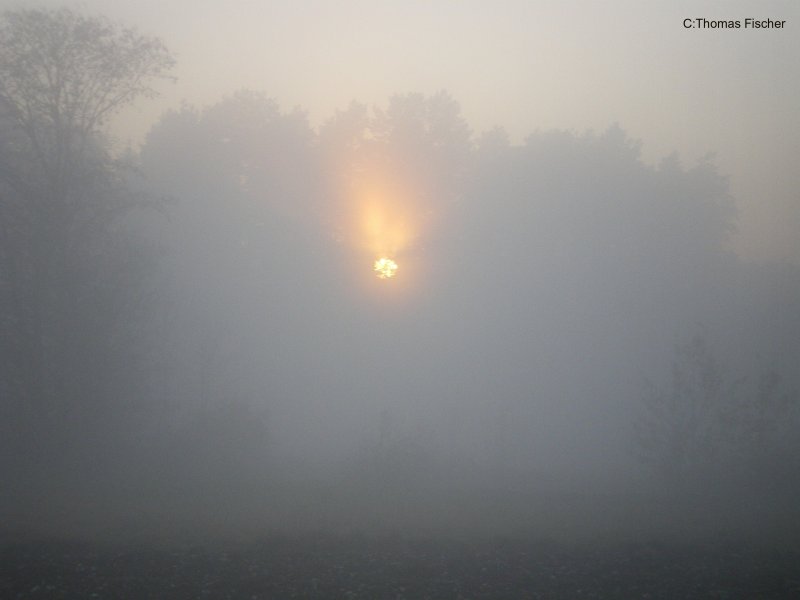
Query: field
{"x": 323, "y": 566}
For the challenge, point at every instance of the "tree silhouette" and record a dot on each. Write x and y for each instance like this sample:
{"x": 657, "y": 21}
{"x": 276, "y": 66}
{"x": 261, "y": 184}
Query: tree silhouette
{"x": 71, "y": 275}
{"x": 706, "y": 423}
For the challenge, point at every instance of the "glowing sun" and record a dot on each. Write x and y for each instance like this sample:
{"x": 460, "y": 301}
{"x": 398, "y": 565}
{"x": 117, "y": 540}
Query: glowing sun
{"x": 385, "y": 268}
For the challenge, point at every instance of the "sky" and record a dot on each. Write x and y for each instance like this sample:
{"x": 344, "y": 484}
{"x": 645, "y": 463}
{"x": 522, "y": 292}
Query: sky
{"x": 521, "y": 64}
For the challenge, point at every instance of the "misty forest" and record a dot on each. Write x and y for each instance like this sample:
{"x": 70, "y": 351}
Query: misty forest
{"x": 386, "y": 356}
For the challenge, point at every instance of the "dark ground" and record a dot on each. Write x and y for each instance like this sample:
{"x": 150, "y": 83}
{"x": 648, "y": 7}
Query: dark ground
{"x": 360, "y": 567}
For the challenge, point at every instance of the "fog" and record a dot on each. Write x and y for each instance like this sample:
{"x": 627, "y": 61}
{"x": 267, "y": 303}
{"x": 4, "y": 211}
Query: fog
{"x": 592, "y": 331}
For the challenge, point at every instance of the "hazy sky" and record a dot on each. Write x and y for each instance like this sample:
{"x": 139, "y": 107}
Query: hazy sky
{"x": 521, "y": 64}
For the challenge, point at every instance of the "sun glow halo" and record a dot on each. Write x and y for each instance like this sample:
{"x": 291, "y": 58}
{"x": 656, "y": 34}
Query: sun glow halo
{"x": 385, "y": 268}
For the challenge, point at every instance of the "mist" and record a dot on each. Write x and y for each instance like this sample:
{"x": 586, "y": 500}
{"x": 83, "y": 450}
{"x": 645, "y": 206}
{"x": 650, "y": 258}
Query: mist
{"x": 197, "y": 342}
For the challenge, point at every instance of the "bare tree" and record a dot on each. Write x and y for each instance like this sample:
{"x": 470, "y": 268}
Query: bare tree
{"x": 63, "y": 74}
{"x": 63, "y": 259}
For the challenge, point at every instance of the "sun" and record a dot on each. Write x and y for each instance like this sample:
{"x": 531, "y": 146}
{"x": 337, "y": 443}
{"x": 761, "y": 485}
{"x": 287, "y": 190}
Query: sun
{"x": 385, "y": 268}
